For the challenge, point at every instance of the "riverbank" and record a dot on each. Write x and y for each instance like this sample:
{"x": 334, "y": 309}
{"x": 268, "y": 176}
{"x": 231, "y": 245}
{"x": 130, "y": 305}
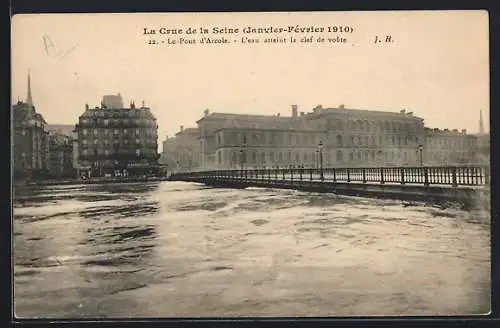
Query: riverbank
{"x": 87, "y": 181}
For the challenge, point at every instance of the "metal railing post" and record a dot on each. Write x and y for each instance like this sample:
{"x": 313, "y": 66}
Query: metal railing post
{"x": 382, "y": 175}
{"x": 402, "y": 175}
{"x": 364, "y": 174}
{"x": 348, "y": 175}
{"x": 426, "y": 176}
{"x": 454, "y": 176}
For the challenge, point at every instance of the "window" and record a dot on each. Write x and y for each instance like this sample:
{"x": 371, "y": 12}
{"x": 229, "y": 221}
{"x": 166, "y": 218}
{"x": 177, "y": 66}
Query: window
{"x": 85, "y": 132}
{"x": 138, "y": 152}
{"x": 137, "y": 141}
{"x": 106, "y": 152}
{"x": 95, "y": 132}
{"x": 95, "y": 141}
{"x": 137, "y": 132}
{"x": 106, "y": 122}
{"x": 106, "y": 141}
{"x": 339, "y": 156}
{"x": 125, "y": 131}
{"x": 339, "y": 140}
{"x": 116, "y": 131}
{"x": 305, "y": 156}
{"x": 84, "y": 141}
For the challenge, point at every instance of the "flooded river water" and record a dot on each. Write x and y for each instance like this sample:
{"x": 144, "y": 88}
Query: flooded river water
{"x": 171, "y": 249}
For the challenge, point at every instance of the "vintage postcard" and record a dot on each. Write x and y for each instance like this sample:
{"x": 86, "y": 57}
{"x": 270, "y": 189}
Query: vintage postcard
{"x": 284, "y": 164}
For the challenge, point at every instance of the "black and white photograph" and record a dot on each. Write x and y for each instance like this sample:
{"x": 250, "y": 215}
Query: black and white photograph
{"x": 270, "y": 164}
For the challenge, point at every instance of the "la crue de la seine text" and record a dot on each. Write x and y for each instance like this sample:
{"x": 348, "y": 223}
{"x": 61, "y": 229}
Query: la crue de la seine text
{"x": 249, "y": 30}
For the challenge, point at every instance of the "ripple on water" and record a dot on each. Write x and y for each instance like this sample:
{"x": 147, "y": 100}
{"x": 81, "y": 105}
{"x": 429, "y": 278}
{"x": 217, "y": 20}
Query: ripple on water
{"x": 182, "y": 249}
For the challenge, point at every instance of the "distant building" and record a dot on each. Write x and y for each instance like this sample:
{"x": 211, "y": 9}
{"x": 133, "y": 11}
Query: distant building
{"x": 182, "y": 151}
{"x": 483, "y": 143}
{"x": 62, "y": 129}
{"x": 30, "y": 140}
{"x": 61, "y": 156}
{"x": 449, "y": 147}
{"x": 116, "y": 141}
{"x": 112, "y": 101}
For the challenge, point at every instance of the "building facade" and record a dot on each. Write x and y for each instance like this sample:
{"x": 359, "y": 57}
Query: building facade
{"x": 182, "y": 152}
{"x": 116, "y": 141}
{"x": 61, "y": 156}
{"x": 333, "y": 137}
{"x": 30, "y": 140}
{"x": 327, "y": 136}
{"x": 449, "y": 147}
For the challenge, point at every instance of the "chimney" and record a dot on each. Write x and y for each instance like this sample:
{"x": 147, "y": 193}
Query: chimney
{"x": 302, "y": 113}
{"x": 403, "y": 111}
{"x": 464, "y": 131}
{"x": 182, "y": 128}
{"x": 455, "y": 130}
{"x": 295, "y": 109}
{"x": 132, "y": 104}
{"x": 206, "y": 112}
{"x": 86, "y": 106}
{"x": 410, "y": 113}
{"x": 278, "y": 114}
{"x": 341, "y": 106}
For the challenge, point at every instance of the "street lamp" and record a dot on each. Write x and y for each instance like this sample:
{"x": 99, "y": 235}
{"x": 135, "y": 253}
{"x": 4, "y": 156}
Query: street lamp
{"x": 421, "y": 151}
{"x": 320, "y": 146}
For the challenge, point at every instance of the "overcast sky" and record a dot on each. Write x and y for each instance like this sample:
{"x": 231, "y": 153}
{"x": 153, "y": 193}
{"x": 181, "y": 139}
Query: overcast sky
{"x": 437, "y": 66}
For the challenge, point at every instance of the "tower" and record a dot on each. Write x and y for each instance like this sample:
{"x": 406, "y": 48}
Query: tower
{"x": 29, "y": 99}
{"x": 481, "y": 124}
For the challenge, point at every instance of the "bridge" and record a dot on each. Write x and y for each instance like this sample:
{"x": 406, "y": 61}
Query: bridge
{"x": 467, "y": 185}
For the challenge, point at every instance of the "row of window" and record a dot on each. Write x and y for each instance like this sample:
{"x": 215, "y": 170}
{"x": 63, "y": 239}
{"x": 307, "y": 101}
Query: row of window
{"x": 107, "y": 132}
{"x": 373, "y": 126}
{"x": 338, "y": 156}
{"x": 314, "y": 140}
{"x": 107, "y": 141}
{"x": 119, "y": 113}
{"x": 109, "y": 152}
{"x": 453, "y": 142}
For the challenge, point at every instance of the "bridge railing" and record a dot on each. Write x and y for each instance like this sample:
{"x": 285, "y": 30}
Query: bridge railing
{"x": 427, "y": 175}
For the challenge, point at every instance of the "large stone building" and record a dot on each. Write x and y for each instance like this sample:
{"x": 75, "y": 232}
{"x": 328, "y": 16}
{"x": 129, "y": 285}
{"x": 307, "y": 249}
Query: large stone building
{"x": 332, "y": 136}
{"x": 113, "y": 140}
{"x": 182, "y": 152}
{"x": 328, "y": 136}
{"x": 30, "y": 140}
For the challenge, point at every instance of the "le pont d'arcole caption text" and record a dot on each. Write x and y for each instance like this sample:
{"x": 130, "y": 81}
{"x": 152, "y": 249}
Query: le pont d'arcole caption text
{"x": 337, "y": 34}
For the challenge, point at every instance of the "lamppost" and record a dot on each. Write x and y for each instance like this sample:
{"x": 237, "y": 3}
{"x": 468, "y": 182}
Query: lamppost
{"x": 320, "y": 146}
{"x": 421, "y": 152}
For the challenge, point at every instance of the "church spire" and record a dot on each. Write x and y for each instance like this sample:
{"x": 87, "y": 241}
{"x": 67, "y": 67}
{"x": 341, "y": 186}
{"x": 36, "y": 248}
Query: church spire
{"x": 481, "y": 124}
{"x": 29, "y": 99}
